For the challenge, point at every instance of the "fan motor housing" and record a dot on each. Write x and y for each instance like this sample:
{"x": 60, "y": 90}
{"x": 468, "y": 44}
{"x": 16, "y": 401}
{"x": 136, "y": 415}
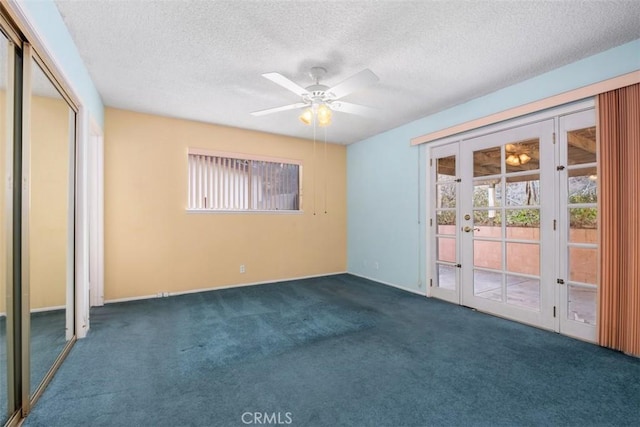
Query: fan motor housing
{"x": 318, "y": 92}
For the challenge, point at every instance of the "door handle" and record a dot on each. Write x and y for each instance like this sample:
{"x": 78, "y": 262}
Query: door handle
{"x": 468, "y": 229}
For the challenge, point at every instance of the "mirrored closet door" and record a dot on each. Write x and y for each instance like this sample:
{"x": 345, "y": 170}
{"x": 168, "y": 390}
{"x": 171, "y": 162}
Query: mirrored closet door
{"x": 37, "y": 222}
{"x": 48, "y": 215}
{"x": 6, "y": 141}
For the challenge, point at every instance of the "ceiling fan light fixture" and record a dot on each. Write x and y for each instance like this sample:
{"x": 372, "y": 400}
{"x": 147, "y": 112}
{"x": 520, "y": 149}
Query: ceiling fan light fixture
{"x": 307, "y": 116}
{"x": 324, "y": 115}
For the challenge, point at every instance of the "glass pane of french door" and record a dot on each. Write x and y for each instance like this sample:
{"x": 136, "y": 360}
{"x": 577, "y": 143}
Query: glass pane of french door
{"x": 444, "y": 220}
{"x": 578, "y": 184}
{"x": 505, "y": 179}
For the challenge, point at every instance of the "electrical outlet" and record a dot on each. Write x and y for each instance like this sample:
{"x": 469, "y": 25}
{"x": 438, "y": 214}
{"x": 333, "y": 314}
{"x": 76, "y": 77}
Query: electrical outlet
{"x": 376, "y": 265}
{"x": 165, "y": 294}
{"x": 159, "y": 295}
{"x": 242, "y": 268}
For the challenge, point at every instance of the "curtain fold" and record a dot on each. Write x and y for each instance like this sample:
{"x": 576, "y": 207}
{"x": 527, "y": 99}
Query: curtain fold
{"x": 619, "y": 139}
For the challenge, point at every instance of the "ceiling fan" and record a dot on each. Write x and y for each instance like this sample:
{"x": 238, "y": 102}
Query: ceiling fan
{"x": 320, "y": 100}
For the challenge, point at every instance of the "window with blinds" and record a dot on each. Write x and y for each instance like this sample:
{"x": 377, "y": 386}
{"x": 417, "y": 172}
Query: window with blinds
{"x": 225, "y": 182}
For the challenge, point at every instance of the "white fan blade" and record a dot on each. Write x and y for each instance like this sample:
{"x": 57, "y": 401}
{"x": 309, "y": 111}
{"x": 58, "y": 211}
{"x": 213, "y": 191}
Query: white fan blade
{"x": 281, "y": 80}
{"x": 278, "y": 109}
{"x": 358, "y": 81}
{"x": 348, "y": 107}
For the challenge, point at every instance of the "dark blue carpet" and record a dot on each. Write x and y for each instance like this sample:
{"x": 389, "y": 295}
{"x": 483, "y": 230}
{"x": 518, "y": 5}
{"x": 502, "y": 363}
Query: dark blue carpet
{"x": 47, "y": 342}
{"x": 334, "y": 351}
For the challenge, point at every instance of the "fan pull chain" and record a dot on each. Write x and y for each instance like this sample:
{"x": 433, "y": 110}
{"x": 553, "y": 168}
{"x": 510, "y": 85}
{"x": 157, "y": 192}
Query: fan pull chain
{"x": 314, "y": 165}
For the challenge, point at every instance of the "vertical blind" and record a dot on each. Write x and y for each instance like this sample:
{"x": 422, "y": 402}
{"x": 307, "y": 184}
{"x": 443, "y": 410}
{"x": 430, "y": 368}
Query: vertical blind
{"x": 221, "y": 183}
{"x": 619, "y": 131}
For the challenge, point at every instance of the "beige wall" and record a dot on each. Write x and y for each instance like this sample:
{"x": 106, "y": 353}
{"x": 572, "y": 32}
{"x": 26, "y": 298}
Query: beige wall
{"x": 49, "y": 198}
{"x": 49, "y": 202}
{"x": 153, "y": 245}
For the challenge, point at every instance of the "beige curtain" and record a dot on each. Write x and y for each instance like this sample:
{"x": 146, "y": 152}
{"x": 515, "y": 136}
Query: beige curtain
{"x": 619, "y": 132}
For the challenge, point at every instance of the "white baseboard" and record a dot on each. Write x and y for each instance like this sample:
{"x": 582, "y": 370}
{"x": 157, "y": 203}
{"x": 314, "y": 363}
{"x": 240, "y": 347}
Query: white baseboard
{"x": 40, "y": 310}
{"x": 402, "y": 288}
{"x": 127, "y": 299}
{"x": 239, "y": 285}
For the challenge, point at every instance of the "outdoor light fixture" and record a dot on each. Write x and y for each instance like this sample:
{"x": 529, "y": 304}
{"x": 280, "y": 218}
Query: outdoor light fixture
{"x": 517, "y": 159}
{"x": 516, "y": 155}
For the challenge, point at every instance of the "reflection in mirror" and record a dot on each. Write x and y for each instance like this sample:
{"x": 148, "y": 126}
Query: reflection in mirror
{"x": 50, "y": 225}
{"x": 4, "y": 142}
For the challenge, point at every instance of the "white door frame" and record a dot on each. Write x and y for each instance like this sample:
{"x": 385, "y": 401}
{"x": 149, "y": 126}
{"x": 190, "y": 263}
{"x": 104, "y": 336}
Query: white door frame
{"x": 430, "y": 235}
{"x": 95, "y": 178}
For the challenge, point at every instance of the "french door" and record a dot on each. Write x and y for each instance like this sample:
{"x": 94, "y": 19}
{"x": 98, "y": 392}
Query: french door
{"x": 578, "y": 250}
{"x": 445, "y": 246}
{"x": 512, "y": 217}
{"x": 506, "y": 230}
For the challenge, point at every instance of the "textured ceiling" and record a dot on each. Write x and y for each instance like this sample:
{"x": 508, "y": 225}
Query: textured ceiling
{"x": 203, "y": 60}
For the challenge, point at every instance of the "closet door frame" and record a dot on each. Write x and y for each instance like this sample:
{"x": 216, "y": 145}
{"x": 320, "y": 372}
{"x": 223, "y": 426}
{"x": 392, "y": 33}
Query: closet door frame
{"x": 13, "y": 351}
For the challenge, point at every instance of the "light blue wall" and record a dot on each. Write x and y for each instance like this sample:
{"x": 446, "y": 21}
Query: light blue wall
{"x": 386, "y": 176}
{"x": 44, "y": 17}
{"x": 383, "y": 214}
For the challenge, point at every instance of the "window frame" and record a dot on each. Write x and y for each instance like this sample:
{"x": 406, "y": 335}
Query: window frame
{"x": 247, "y": 157}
